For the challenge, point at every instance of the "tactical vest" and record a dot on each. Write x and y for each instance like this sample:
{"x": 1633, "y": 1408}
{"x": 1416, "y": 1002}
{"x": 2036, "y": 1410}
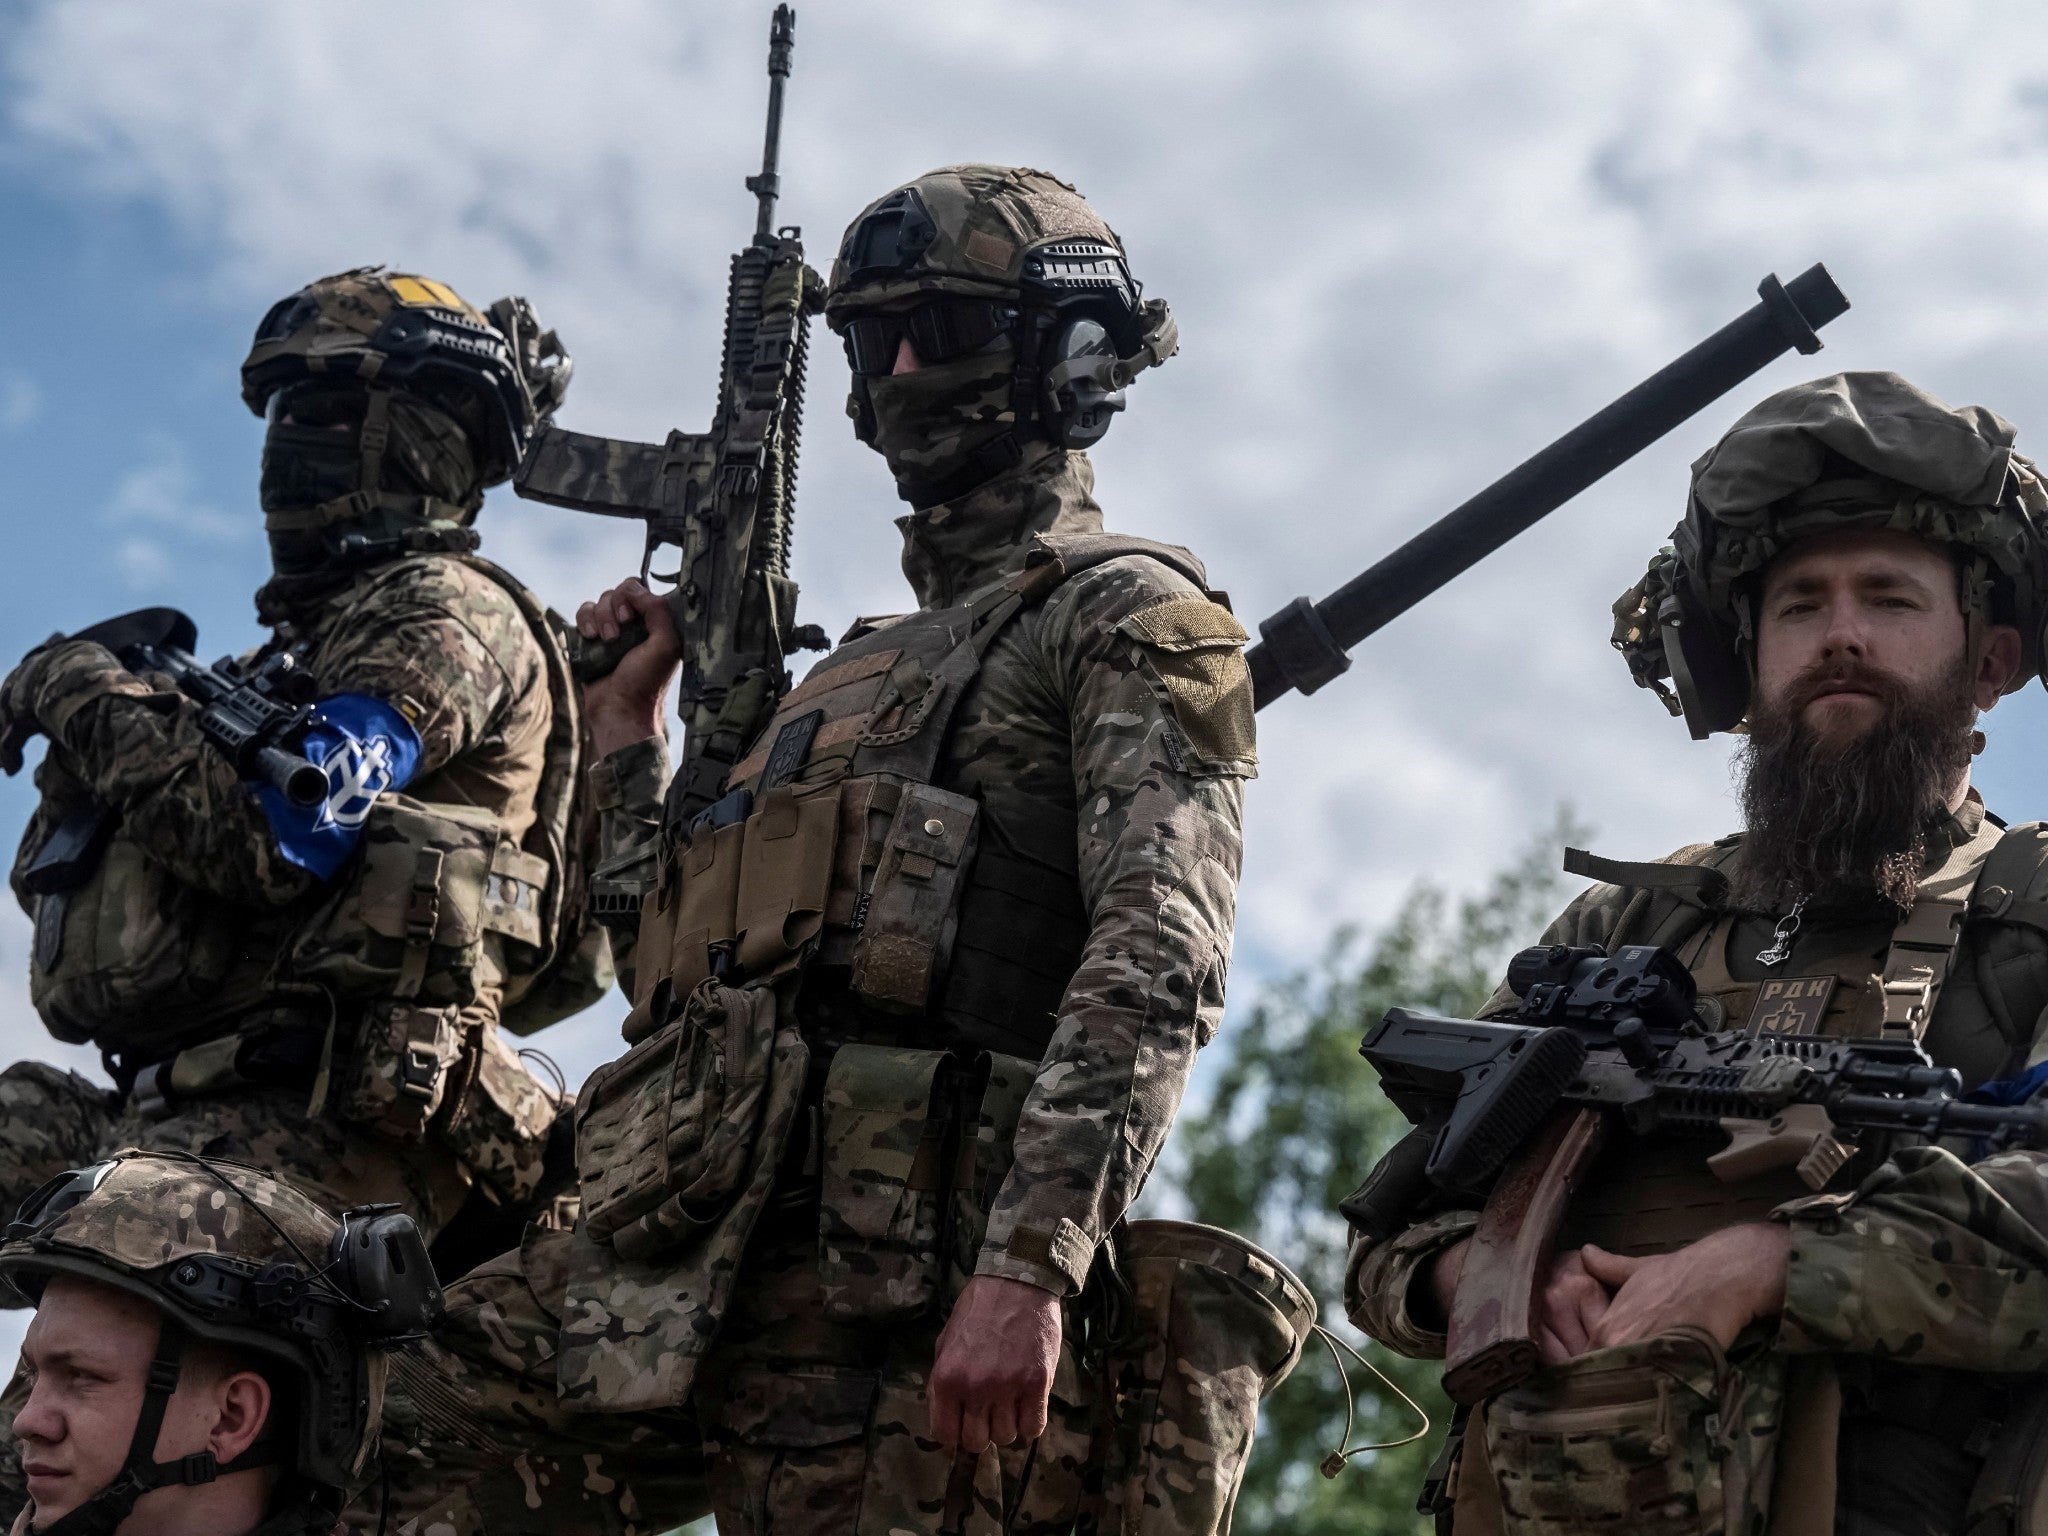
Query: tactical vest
{"x": 835, "y": 853}
{"x": 1749, "y": 1440}
{"x": 1652, "y": 1197}
{"x": 434, "y": 907}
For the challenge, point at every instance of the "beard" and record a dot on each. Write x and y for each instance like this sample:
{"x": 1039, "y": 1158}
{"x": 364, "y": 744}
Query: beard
{"x": 1843, "y": 821}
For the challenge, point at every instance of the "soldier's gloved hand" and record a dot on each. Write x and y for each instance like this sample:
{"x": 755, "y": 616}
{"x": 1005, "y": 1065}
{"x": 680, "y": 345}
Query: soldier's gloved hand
{"x": 46, "y": 687}
{"x": 992, "y": 1376}
{"x": 628, "y": 704}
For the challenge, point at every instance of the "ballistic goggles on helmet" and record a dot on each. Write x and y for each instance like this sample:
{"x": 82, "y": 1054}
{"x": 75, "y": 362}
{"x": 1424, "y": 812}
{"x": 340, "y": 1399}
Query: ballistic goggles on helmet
{"x": 939, "y": 330}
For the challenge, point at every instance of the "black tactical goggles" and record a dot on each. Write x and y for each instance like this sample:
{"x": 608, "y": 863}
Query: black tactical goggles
{"x": 938, "y": 330}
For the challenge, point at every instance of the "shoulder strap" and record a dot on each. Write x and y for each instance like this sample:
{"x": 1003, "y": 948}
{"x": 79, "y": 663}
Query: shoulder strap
{"x": 560, "y": 809}
{"x": 1923, "y": 947}
{"x": 2014, "y": 869}
{"x": 1697, "y": 884}
{"x": 1074, "y": 553}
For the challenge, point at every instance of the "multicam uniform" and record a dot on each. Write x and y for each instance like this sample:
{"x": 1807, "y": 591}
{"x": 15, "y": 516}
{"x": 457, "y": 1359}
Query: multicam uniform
{"x": 1929, "y": 1258}
{"x": 1104, "y": 738}
{"x": 318, "y": 991}
{"x": 1893, "y": 1394}
{"x": 443, "y": 640}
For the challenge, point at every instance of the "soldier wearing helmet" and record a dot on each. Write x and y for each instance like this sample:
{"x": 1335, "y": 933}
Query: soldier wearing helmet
{"x": 963, "y": 927}
{"x": 320, "y": 991}
{"x": 209, "y": 1348}
{"x": 1858, "y": 578}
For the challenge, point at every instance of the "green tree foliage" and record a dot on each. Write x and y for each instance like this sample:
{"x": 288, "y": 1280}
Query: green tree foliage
{"x": 1293, "y": 1123}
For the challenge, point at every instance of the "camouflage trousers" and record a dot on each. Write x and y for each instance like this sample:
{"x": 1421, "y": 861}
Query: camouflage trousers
{"x": 51, "y": 1120}
{"x": 798, "y": 1426}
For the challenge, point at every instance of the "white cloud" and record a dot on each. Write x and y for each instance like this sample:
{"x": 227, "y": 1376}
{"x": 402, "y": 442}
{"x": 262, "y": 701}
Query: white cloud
{"x": 1407, "y": 244}
{"x": 160, "y": 492}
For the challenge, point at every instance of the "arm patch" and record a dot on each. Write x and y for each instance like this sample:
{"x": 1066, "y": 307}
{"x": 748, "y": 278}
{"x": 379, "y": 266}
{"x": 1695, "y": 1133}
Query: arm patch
{"x": 365, "y": 747}
{"x": 1193, "y": 653}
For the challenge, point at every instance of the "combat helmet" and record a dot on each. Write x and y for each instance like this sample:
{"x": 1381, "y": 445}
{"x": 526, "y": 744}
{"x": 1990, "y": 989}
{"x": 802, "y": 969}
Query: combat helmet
{"x": 969, "y": 253}
{"x": 497, "y": 369}
{"x": 232, "y": 1256}
{"x": 1851, "y": 451}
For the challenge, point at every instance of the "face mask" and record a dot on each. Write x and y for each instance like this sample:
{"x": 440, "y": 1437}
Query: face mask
{"x": 930, "y": 425}
{"x": 426, "y": 454}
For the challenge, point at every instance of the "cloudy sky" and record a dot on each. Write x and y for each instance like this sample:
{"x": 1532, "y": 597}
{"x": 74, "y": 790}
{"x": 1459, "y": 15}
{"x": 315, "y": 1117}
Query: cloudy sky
{"x": 1408, "y": 243}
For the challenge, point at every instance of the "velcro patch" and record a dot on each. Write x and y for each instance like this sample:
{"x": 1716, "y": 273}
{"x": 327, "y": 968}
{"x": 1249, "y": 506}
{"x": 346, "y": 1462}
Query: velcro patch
{"x": 1193, "y": 650}
{"x": 1792, "y": 1005}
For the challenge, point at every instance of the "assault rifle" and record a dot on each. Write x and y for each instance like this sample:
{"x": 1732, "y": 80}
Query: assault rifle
{"x": 1518, "y": 1108}
{"x": 723, "y": 499}
{"x": 255, "y": 716}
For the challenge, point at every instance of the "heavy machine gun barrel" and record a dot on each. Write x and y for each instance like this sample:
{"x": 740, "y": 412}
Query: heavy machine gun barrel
{"x": 1305, "y": 644}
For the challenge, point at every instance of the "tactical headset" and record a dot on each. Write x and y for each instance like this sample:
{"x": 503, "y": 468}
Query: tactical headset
{"x": 376, "y": 1289}
{"x": 1081, "y": 328}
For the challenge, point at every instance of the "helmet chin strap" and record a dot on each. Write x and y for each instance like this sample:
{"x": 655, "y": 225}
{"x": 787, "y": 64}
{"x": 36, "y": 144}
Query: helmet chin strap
{"x": 142, "y": 1472}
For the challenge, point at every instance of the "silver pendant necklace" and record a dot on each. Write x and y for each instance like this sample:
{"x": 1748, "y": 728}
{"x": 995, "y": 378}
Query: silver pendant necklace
{"x": 1780, "y": 948}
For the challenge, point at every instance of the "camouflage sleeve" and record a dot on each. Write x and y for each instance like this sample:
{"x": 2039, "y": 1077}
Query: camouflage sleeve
{"x": 1930, "y": 1258}
{"x": 136, "y": 746}
{"x": 1158, "y": 704}
{"x": 443, "y": 644}
{"x": 627, "y": 787}
{"x": 1380, "y": 1278}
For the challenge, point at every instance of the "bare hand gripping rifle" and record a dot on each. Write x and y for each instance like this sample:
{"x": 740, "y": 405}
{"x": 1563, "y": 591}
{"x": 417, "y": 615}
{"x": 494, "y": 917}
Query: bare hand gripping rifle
{"x": 723, "y": 500}
{"x": 1516, "y": 1109}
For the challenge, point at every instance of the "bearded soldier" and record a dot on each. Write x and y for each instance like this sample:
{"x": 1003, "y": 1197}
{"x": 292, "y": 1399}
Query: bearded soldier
{"x": 1858, "y": 577}
{"x": 208, "y": 1348}
{"x": 915, "y": 997}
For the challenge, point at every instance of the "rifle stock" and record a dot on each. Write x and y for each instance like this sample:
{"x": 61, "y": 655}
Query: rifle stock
{"x": 1492, "y": 1340}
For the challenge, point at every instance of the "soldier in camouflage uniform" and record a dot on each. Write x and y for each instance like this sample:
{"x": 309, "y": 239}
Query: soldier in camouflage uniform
{"x": 1861, "y": 572}
{"x": 208, "y": 1349}
{"x": 915, "y": 1002}
{"x": 319, "y": 992}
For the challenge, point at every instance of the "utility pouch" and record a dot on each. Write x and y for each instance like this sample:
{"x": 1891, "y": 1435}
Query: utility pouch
{"x": 399, "y": 1073}
{"x": 499, "y": 1125}
{"x": 1664, "y": 1437}
{"x": 785, "y": 876}
{"x": 702, "y": 924}
{"x": 665, "y": 1135}
{"x": 913, "y": 908}
{"x": 987, "y": 1151}
{"x": 1216, "y": 1323}
{"x": 408, "y": 918}
{"x": 119, "y": 955}
{"x": 883, "y": 1193}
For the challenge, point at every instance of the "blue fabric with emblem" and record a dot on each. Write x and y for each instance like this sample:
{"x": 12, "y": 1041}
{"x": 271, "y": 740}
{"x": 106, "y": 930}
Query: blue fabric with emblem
{"x": 366, "y": 748}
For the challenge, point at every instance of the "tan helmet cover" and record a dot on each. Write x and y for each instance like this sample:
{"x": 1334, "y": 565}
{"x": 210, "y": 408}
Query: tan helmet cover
{"x": 137, "y": 1217}
{"x": 1850, "y": 451}
{"x": 981, "y": 222}
{"x": 405, "y": 329}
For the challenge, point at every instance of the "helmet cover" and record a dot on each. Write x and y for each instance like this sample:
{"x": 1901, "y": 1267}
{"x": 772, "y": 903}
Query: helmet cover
{"x": 1852, "y": 451}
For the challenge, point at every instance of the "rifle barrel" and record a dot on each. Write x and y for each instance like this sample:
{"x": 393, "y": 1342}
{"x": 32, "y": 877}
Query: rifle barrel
{"x": 768, "y": 185}
{"x": 1303, "y": 645}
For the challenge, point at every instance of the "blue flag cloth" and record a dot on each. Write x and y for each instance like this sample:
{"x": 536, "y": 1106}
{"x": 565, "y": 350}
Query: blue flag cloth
{"x": 2010, "y": 1090}
{"x": 365, "y": 747}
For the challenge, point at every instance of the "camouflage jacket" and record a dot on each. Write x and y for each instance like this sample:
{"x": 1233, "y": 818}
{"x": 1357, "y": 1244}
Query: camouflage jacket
{"x": 1928, "y": 1257}
{"x": 1063, "y": 728}
{"x": 437, "y": 638}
